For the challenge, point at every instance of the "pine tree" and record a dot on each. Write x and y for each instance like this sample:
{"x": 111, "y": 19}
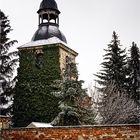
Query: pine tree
{"x": 7, "y": 64}
{"x": 71, "y": 96}
{"x": 134, "y": 72}
{"x": 113, "y": 65}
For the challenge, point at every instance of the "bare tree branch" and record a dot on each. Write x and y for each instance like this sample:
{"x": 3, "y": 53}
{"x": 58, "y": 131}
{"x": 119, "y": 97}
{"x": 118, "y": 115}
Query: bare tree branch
{"x": 116, "y": 107}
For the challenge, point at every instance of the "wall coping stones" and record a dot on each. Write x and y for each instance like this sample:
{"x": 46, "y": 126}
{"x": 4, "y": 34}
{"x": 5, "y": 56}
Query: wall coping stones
{"x": 78, "y": 126}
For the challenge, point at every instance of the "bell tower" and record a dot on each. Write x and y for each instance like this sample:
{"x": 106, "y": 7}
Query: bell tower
{"x": 48, "y": 14}
{"x": 41, "y": 62}
{"x": 48, "y": 11}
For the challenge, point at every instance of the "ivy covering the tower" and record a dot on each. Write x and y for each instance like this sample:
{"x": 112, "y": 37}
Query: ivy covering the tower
{"x": 32, "y": 100}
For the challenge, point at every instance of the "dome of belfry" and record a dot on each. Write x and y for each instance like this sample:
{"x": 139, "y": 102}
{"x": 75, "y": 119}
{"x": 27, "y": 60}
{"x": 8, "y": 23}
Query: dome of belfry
{"x": 48, "y": 4}
{"x": 48, "y": 22}
{"x": 48, "y": 31}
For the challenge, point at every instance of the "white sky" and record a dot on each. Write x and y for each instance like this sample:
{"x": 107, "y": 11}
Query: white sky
{"x": 87, "y": 24}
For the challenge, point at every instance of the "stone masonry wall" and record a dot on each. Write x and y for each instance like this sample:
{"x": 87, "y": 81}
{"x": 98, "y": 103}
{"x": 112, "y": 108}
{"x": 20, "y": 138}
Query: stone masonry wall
{"x": 118, "y": 132}
{"x": 4, "y": 122}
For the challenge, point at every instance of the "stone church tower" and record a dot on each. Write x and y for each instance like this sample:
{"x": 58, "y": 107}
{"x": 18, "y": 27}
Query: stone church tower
{"x": 41, "y": 63}
{"x": 48, "y": 33}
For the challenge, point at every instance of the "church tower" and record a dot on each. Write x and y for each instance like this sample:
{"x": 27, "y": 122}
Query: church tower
{"x": 42, "y": 61}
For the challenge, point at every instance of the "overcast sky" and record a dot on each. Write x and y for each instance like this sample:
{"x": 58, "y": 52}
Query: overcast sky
{"x": 87, "y": 24}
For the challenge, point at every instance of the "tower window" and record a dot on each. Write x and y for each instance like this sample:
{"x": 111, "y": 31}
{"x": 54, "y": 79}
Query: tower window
{"x": 39, "y": 58}
{"x": 68, "y": 59}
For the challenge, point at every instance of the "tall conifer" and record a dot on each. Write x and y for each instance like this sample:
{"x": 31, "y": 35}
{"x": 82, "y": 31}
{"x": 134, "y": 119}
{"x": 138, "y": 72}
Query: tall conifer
{"x": 134, "y": 72}
{"x": 8, "y": 61}
{"x": 72, "y": 97}
{"x": 113, "y": 65}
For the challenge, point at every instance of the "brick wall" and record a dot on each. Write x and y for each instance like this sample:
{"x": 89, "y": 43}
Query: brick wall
{"x": 118, "y": 132}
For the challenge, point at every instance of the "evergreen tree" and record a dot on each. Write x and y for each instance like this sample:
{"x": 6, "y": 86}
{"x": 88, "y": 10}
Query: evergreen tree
{"x": 71, "y": 96}
{"x": 134, "y": 72}
{"x": 113, "y": 65}
{"x": 8, "y": 61}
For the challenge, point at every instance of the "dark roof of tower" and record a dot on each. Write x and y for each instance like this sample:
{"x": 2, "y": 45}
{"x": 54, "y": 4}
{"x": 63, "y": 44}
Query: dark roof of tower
{"x": 46, "y": 31}
{"x": 48, "y": 4}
